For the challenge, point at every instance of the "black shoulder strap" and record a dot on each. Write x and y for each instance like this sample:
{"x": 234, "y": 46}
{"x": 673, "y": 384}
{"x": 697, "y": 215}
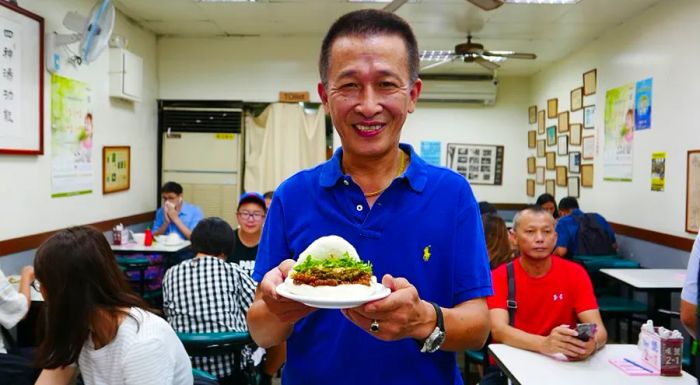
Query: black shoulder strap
{"x": 512, "y": 305}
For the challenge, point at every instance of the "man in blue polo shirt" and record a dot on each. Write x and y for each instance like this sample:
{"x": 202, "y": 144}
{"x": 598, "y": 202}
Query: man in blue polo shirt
{"x": 175, "y": 215}
{"x": 419, "y": 226}
{"x": 582, "y": 233}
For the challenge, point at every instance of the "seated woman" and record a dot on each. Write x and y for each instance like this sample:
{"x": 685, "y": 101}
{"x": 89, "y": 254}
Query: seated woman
{"x": 189, "y": 287}
{"x": 547, "y": 202}
{"x": 498, "y": 242}
{"x": 94, "y": 319}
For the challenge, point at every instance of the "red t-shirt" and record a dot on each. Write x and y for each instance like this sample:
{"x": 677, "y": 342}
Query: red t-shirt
{"x": 548, "y": 301}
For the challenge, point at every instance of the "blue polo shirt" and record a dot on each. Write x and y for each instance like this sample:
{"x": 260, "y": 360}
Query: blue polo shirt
{"x": 190, "y": 215}
{"x": 425, "y": 227}
{"x": 567, "y": 228}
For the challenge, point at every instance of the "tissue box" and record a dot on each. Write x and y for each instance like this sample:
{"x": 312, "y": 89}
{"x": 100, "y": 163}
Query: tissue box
{"x": 664, "y": 354}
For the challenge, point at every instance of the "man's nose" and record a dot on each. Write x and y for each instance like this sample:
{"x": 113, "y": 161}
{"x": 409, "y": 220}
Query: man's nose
{"x": 369, "y": 104}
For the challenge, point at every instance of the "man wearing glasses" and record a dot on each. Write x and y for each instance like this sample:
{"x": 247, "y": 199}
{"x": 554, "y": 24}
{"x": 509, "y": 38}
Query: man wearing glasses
{"x": 250, "y": 215}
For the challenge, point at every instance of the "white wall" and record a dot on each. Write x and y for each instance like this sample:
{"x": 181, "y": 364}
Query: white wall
{"x": 25, "y": 181}
{"x": 660, "y": 43}
{"x": 256, "y": 69}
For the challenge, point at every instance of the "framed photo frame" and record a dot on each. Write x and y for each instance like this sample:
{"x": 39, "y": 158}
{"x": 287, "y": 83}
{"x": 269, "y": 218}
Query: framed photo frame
{"x": 576, "y": 99}
{"x": 478, "y": 163}
{"x": 116, "y": 169}
{"x": 574, "y": 162}
{"x": 562, "y": 145}
{"x": 563, "y": 121}
{"x": 561, "y": 176}
{"x": 586, "y": 175}
{"x": 573, "y": 187}
{"x": 532, "y": 114}
{"x": 530, "y": 189}
{"x": 552, "y": 108}
{"x": 539, "y": 176}
{"x": 540, "y": 122}
{"x": 532, "y": 139}
{"x": 22, "y": 82}
{"x": 575, "y": 134}
{"x": 588, "y": 147}
{"x": 551, "y": 136}
{"x": 549, "y": 187}
{"x": 531, "y": 163}
{"x": 551, "y": 160}
{"x": 692, "y": 197}
{"x": 590, "y": 79}
{"x": 540, "y": 148}
{"x": 589, "y": 117}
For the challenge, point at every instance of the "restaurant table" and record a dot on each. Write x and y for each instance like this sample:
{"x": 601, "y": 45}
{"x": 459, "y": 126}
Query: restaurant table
{"x": 658, "y": 283}
{"x": 156, "y": 247}
{"x": 529, "y": 368}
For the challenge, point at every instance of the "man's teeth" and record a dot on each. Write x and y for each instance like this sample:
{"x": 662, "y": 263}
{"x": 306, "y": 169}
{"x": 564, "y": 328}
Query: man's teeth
{"x": 368, "y": 128}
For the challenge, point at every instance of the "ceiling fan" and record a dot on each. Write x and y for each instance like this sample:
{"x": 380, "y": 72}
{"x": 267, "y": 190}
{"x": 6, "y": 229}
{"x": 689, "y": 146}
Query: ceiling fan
{"x": 486, "y": 5}
{"x": 472, "y": 53}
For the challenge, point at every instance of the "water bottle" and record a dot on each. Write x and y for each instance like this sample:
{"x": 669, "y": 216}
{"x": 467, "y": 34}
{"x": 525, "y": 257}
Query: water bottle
{"x": 148, "y": 239}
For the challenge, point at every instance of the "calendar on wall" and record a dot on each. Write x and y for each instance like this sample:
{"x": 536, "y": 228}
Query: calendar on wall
{"x": 479, "y": 163}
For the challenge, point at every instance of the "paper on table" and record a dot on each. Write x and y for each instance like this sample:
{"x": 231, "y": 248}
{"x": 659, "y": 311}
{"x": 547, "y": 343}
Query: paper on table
{"x": 633, "y": 368}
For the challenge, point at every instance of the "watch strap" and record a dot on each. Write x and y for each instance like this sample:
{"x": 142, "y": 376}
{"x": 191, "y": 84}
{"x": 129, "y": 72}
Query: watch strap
{"x": 440, "y": 319}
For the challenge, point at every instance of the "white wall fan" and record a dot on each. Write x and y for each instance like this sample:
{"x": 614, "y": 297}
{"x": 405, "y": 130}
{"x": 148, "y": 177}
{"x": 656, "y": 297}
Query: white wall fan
{"x": 92, "y": 32}
{"x": 486, "y": 5}
{"x": 470, "y": 52}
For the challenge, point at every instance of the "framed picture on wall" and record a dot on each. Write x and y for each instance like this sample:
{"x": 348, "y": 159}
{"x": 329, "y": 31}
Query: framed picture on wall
{"x": 539, "y": 177}
{"x": 540, "y": 148}
{"x": 589, "y": 82}
{"x": 551, "y": 136}
{"x": 576, "y": 99}
{"x": 562, "y": 145}
{"x": 552, "y": 108}
{"x": 588, "y": 147}
{"x": 540, "y": 122}
{"x": 479, "y": 163}
{"x": 692, "y": 197}
{"x": 532, "y": 114}
{"x": 22, "y": 81}
{"x": 573, "y": 187}
{"x": 549, "y": 187}
{"x": 116, "y": 169}
{"x": 586, "y": 175}
{"x": 530, "y": 190}
{"x": 574, "y": 162}
{"x": 551, "y": 162}
{"x": 575, "y": 134}
{"x": 531, "y": 162}
{"x": 564, "y": 121}
{"x": 589, "y": 117}
{"x": 561, "y": 176}
{"x": 531, "y": 139}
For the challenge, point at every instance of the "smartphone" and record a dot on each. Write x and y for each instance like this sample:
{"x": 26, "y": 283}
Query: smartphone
{"x": 586, "y": 331}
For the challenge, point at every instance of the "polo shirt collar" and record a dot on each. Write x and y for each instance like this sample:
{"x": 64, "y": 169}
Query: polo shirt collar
{"x": 416, "y": 174}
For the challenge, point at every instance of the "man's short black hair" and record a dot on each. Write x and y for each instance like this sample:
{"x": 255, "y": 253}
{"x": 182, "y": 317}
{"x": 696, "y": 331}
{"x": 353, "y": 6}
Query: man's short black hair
{"x": 487, "y": 208}
{"x": 534, "y": 209}
{"x": 212, "y": 236}
{"x": 370, "y": 22}
{"x": 568, "y": 203}
{"x": 171, "y": 187}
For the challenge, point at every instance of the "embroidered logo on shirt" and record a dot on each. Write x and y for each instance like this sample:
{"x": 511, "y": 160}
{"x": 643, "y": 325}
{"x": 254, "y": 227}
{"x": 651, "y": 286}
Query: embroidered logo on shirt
{"x": 426, "y": 253}
{"x": 558, "y": 297}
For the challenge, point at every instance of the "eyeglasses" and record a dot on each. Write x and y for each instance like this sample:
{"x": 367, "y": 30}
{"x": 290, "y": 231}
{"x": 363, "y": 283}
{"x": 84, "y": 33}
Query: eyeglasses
{"x": 251, "y": 215}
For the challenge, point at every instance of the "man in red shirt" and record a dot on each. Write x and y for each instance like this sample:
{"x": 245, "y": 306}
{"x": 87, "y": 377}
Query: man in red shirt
{"x": 552, "y": 295}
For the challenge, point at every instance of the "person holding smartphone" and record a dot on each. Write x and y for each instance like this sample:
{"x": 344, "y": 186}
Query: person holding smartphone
{"x": 175, "y": 215}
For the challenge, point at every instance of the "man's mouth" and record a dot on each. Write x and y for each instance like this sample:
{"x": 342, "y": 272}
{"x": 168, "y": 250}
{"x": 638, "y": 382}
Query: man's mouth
{"x": 368, "y": 129}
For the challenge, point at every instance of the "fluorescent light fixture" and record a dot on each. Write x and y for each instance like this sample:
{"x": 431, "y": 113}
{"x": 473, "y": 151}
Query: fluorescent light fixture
{"x": 225, "y": 1}
{"x": 437, "y": 55}
{"x": 550, "y": 2}
{"x": 377, "y": 1}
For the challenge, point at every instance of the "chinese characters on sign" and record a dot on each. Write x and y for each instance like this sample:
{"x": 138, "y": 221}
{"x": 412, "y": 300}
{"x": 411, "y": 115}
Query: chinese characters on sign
{"x": 9, "y": 79}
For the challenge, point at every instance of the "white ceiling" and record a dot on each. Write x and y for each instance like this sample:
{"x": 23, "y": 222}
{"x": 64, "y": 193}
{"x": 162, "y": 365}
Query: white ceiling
{"x": 550, "y": 31}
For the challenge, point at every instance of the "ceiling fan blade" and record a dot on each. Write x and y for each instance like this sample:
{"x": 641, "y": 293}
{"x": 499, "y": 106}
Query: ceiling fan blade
{"x": 394, "y": 5}
{"x": 436, "y": 64}
{"x": 486, "y": 63}
{"x": 511, "y": 54}
{"x": 487, "y": 5}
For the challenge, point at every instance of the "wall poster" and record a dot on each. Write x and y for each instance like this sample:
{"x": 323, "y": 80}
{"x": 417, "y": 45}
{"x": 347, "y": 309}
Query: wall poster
{"x": 479, "y": 163}
{"x": 642, "y": 111}
{"x": 430, "y": 152}
{"x": 619, "y": 134}
{"x": 658, "y": 171}
{"x": 116, "y": 169}
{"x": 692, "y": 198}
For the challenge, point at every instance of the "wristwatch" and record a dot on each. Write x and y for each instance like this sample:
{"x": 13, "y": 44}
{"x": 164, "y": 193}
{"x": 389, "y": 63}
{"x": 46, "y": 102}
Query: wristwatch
{"x": 437, "y": 337}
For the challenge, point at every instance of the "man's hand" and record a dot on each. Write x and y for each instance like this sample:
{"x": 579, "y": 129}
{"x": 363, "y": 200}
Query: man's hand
{"x": 400, "y": 315}
{"x": 284, "y": 309}
{"x": 563, "y": 340}
{"x": 27, "y": 274}
{"x": 170, "y": 212}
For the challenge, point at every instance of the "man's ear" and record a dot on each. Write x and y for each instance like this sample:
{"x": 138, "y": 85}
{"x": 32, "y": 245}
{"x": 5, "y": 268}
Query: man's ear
{"x": 414, "y": 93}
{"x": 321, "y": 89}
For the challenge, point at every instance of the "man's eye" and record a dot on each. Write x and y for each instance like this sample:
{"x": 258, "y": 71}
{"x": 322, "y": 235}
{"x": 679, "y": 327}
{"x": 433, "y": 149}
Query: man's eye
{"x": 349, "y": 86}
{"x": 387, "y": 85}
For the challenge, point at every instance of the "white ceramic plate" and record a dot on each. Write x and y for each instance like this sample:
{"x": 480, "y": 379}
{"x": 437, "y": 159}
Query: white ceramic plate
{"x": 328, "y": 303}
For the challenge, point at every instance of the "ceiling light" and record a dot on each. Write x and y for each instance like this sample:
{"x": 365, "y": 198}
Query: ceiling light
{"x": 225, "y": 1}
{"x": 377, "y": 1}
{"x": 557, "y": 2}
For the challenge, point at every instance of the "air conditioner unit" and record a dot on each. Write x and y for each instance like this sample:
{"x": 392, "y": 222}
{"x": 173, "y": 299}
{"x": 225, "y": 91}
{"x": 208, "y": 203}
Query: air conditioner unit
{"x": 473, "y": 89}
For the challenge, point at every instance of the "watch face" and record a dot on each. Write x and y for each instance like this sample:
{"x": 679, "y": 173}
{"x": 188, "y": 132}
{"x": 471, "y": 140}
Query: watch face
{"x": 434, "y": 341}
